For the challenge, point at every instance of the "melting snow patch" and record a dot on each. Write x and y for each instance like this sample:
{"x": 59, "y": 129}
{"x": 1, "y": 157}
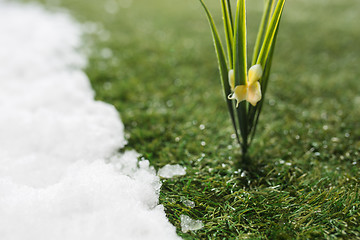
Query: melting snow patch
{"x": 188, "y": 203}
{"x": 169, "y": 171}
{"x": 189, "y": 224}
{"x": 60, "y": 177}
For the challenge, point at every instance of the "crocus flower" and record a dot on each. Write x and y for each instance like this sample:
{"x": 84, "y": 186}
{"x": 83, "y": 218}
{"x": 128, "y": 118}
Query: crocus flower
{"x": 251, "y": 91}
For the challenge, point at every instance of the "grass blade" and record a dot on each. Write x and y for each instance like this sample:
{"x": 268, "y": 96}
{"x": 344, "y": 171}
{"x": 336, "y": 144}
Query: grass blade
{"x": 223, "y": 67}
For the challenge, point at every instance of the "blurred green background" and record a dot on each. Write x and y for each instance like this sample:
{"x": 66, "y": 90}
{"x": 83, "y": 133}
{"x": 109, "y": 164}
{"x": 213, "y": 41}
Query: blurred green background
{"x": 154, "y": 60}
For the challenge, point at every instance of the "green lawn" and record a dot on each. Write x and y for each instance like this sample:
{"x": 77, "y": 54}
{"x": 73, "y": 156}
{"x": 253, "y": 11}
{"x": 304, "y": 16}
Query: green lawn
{"x": 303, "y": 181}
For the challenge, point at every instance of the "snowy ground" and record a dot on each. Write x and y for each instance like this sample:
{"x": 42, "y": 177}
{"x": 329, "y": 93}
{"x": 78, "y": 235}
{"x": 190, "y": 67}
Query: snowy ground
{"x": 60, "y": 176}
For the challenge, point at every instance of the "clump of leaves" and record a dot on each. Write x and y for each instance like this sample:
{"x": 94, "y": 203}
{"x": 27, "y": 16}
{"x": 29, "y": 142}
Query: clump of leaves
{"x": 247, "y": 87}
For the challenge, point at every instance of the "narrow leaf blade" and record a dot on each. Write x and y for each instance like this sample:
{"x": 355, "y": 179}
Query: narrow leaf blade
{"x": 223, "y": 67}
{"x": 239, "y": 48}
{"x": 270, "y": 33}
{"x": 228, "y": 28}
{"x": 240, "y": 65}
{"x": 262, "y": 29}
{"x": 265, "y": 79}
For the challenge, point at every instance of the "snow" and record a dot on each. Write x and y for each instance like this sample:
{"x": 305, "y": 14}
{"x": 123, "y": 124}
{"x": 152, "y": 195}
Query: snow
{"x": 188, "y": 203}
{"x": 60, "y": 174}
{"x": 189, "y": 224}
{"x": 169, "y": 171}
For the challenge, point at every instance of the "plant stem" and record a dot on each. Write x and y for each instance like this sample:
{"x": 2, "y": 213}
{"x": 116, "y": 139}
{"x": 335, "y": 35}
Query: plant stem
{"x": 244, "y": 148}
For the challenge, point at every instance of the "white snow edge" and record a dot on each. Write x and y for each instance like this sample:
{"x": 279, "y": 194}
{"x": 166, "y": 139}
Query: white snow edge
{"x": 55, "y": 141}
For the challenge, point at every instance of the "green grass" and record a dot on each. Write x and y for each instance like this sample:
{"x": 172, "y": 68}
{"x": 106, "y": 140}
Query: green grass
{"x": 303, "y": 182}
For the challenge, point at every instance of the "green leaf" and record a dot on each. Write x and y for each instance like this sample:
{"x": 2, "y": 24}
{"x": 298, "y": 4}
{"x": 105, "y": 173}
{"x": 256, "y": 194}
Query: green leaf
{"x": 269, "y": 6}
{"x": 265, "y": 59}
{"x": 230, "y": 14}
{"x": 255, "y": 114}
{"x": 240, "y": 65}
{"x": 270, "y": 33}
{"x": 239, "y": 48}
{"x": 223, "y": 67}
{"x": 228, "y": 27}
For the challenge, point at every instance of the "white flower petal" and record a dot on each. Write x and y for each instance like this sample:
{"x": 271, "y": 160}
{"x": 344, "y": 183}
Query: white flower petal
{"x": 231, "y": 79}
{"x": 240, "y": 94}
{"x": 255, "y": 73}
{"x": 254, "y": 93}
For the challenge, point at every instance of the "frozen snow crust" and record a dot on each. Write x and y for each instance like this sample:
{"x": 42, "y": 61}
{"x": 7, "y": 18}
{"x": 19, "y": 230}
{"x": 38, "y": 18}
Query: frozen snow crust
{"x": 60, "y": 176}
